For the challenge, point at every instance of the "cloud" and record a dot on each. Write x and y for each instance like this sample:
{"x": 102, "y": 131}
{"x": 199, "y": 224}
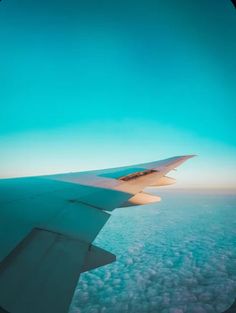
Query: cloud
{"x": 179, "y": 258}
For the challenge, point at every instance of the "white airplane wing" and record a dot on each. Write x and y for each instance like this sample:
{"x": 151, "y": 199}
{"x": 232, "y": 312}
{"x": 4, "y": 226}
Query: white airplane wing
{"x": 48, "y": 224}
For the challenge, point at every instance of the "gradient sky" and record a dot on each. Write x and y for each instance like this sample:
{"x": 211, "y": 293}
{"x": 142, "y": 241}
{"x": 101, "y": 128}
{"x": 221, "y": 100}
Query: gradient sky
{"x": 93, "y": 84}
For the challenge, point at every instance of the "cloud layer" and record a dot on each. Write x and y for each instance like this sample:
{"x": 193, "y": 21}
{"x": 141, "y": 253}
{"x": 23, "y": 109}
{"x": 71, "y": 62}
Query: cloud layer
{"x": 175, "y": 257}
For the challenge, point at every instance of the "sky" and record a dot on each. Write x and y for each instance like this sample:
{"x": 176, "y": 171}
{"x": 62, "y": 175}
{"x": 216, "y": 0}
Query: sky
{"x": 98, "y": 84}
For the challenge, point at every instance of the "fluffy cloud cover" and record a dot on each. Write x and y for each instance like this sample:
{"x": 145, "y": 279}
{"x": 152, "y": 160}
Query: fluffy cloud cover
{"x": 178, "y": 256}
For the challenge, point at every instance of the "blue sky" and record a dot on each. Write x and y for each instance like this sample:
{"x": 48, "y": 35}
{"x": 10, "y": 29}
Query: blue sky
{"x": 91, "y": 84}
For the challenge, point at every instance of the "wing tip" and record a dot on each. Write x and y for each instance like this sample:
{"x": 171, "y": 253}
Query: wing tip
{"x": 185, "y": 157}
{"x": 188, "y": 156}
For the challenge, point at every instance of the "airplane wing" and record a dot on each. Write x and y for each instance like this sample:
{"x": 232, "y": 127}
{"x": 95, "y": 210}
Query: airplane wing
{"x": 48, "y": 225}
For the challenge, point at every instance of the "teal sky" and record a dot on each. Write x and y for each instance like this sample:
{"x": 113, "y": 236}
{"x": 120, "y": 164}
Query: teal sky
{"x": 92, "y": 84}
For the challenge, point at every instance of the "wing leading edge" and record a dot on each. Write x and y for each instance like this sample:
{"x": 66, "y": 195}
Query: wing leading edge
{"x": 48, "y": 224}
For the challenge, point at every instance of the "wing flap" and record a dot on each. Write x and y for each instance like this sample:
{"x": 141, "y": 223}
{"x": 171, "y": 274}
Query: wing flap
{"x": 97, "y": 257}
{"x": 41, "y": 273}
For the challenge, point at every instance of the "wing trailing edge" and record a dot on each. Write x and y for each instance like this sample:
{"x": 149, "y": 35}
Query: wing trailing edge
{"x": 41, "y": 273}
